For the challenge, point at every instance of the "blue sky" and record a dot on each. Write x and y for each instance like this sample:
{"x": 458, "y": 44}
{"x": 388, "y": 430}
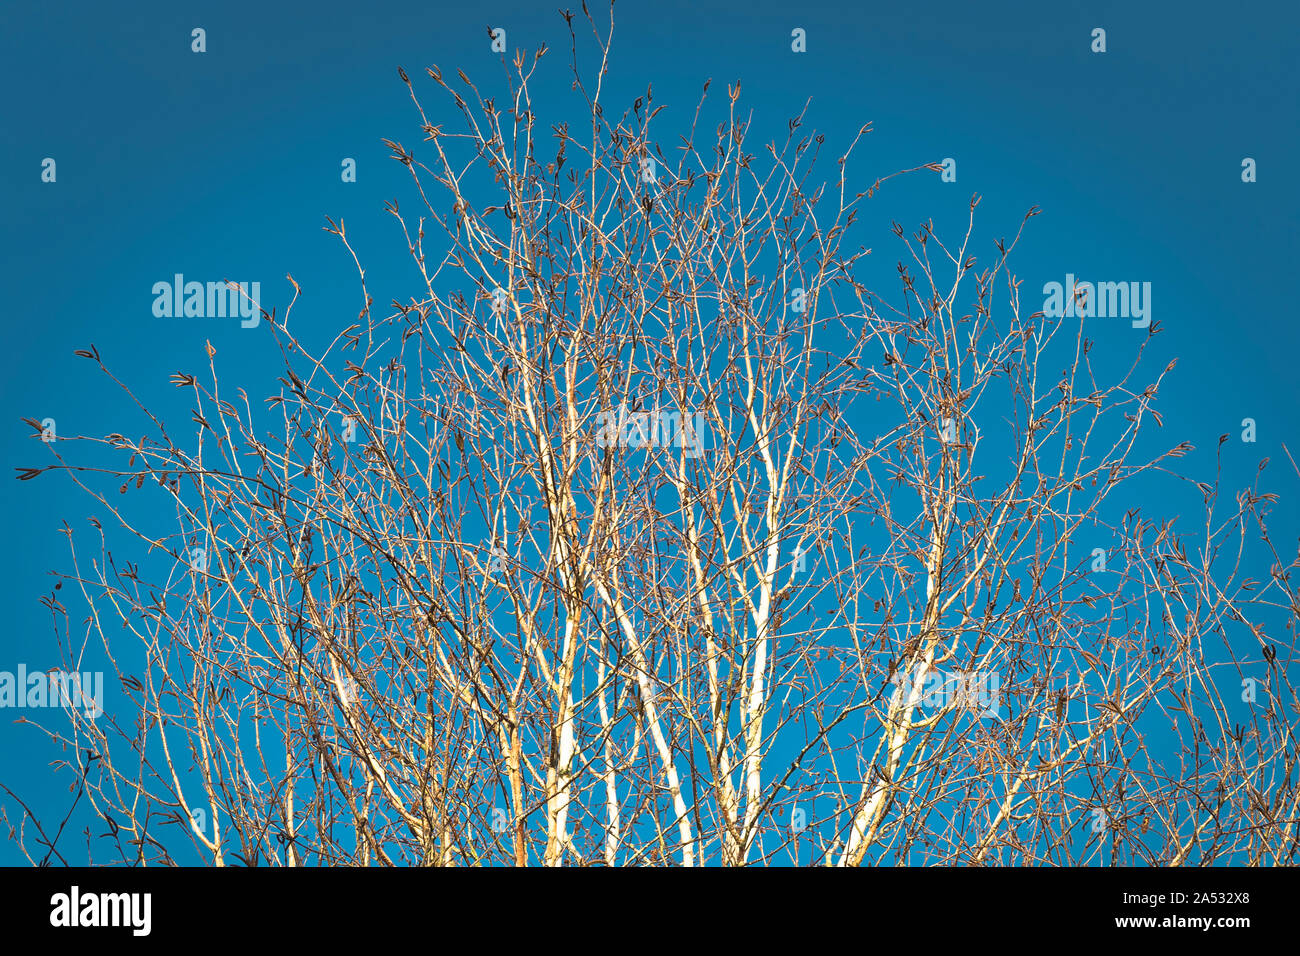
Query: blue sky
{"x": 224, "y": 164}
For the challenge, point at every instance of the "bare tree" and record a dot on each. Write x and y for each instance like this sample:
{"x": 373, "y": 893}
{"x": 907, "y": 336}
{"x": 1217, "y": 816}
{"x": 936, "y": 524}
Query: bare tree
{"x": 643, "y": 532}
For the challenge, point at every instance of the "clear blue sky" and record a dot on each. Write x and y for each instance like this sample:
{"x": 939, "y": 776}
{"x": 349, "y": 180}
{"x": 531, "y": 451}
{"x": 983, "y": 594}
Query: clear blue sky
{"x": 225, "y": 164}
